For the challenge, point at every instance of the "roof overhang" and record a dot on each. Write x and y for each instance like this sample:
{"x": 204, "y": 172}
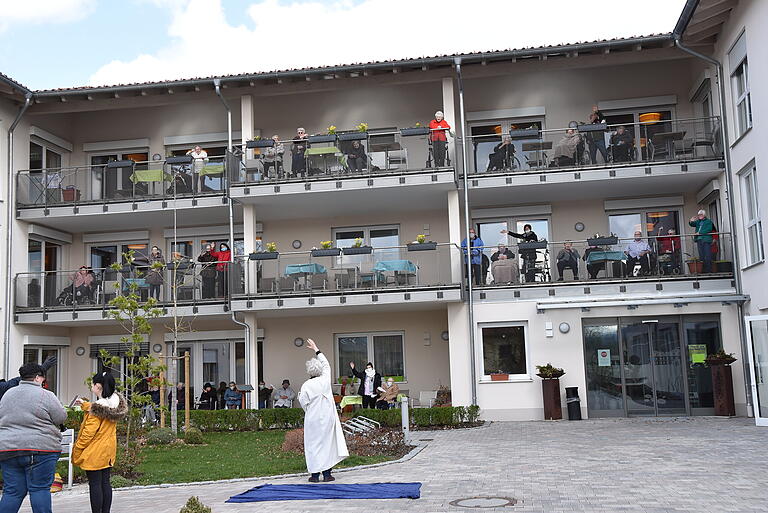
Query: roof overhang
{"x": 701, "y": 21}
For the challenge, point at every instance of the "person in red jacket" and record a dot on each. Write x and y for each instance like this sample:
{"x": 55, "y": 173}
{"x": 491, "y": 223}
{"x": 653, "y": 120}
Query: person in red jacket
{"x": 222, "y": 268}
{"x": 438, "y": 135}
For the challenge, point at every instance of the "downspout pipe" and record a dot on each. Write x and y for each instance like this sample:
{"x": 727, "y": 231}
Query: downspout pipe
{"x": 7, "y": 304}
{"x": 468, "y": 266}
{"x": 247, "y": 328}
{"x": 731, "y": 208}
{"x": 217, "y": 86}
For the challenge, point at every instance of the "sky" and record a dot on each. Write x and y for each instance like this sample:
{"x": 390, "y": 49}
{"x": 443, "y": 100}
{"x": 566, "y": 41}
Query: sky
{"x": 47, "y": 44}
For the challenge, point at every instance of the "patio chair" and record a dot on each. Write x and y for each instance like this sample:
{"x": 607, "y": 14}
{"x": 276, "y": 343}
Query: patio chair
{"x": 426, "y": 399}
{"x": 345, "y": 280}
{"x": 267, "y": 284}
{"x": 286, "y": 284}
{"x": 318, "y": 281}
{"x": 403, "y": 278}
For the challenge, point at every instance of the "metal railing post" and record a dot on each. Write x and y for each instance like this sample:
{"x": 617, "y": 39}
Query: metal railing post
{"x": 404, "y": 418}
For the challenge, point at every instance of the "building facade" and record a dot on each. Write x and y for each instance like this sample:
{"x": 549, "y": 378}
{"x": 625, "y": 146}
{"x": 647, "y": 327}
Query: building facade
{"x": 99, "y": 172}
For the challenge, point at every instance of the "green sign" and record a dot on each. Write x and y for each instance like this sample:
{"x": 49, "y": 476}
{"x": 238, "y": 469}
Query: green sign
{"x": 698, "y": 352}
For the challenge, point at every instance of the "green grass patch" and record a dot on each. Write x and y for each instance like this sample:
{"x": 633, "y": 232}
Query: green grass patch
{"x": 227, "y": 456}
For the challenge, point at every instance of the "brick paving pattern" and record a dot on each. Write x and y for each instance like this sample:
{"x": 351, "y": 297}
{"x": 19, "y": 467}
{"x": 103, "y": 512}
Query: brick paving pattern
{"x": 610, "y": 465}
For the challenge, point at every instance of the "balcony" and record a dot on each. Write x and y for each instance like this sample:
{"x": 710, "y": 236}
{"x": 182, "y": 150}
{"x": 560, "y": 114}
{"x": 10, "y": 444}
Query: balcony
{"x": 364, "y": 276}
{"x": 602, "y": 270}
{"x": 120, "y": 186}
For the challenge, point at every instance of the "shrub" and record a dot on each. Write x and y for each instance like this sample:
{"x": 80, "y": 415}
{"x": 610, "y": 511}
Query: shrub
{"x": 194, "y": 505}
{"x": 194, "y": 436}
{"x": 442, "y": 416}
{"x": 120, "y": 482}
{"x": 281, "y": 418}
{"x": 161, "y": 436}
{"x": 128, "y": 460}
{"x": 294, "y": 441}
{"x": 473, "y": 413}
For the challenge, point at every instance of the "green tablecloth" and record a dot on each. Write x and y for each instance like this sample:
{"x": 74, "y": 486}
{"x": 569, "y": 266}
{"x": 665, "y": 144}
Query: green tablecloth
{"x": 358, "y": 399}
{"x": 603, "y": 256}
{"x": 212, "y": 169}
{"x": 304, "y": 269}
{"x": 395, "y": 265}
{"x": 325, "y": 150}
{"x": 150, "y": 175}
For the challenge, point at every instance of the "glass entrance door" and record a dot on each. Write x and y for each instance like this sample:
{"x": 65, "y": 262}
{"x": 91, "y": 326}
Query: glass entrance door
{"x": 757, "y": 331}
{"x": 653, "y": 368}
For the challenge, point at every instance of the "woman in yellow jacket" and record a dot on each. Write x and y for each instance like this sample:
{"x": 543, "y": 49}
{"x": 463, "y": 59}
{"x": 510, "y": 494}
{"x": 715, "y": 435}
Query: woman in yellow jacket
{"x": 96, "y": 444}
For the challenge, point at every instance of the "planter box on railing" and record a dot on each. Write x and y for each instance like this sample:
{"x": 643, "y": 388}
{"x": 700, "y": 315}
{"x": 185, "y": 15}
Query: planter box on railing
{"x": 261, "y": 143}
{"x": 525, "y": 133}
{"x": 182, "y": 265}
{"x": 360, "y": 250}
{"x": 417, "y": 130}
{"x": 183, "y": 159}
{"x": 603, "y": 241}
{"x": 422, "y": 246}
{"x": 263, "y": 255}
{"x": 317, "y": 139}
{"x": 353, "y": 136}
{"x": 531, "y": 245}
{"x": 326, "y": 252}
{"x": 593, "y": 127}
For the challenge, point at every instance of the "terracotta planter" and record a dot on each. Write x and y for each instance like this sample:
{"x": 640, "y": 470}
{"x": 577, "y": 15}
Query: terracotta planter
{"x": 551, "y": 390}
{"x": 695, "y": 266}
{"x": 722, "y": 387}
{"x": 499, "y": 377}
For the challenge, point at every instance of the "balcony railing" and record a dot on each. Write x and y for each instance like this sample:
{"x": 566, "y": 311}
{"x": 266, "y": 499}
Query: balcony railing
{"x": 355, "y": 270}
{"x": 349, "y": 154}
{"x": 120, "y": 181}
{"x": 183, "y": 283}
{"x": 583, "y": 146}
{"x": 604, "y": 259}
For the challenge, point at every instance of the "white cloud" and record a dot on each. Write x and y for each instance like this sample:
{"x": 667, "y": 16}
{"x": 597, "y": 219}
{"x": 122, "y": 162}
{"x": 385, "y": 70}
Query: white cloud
{"x": 14, "y": 12}
{"x": 277, "y": 35}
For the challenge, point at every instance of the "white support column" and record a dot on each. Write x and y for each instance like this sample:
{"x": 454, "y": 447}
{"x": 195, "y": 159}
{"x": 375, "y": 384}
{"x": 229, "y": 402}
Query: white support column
{"x": 449, "y": 110}
{"x": 249, "y": 246}
{"x": 459, "y": 353}
{"x": 454, "y": 234}
{"x": 246, "y": 123}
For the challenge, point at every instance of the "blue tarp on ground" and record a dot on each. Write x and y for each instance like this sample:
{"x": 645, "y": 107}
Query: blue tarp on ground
{"x": 304, "y": 492}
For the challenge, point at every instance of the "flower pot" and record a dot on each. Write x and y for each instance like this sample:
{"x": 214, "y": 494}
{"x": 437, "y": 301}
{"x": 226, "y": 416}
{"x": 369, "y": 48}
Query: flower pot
{"x": 353, "y": 136}
{"x": 695, "y": 266}
{"x": 326, "y": 252}
{"x": 261, "y": 143}
{"x": 315, "y": 139}
{"x": 499, "y": 377}
{"x": 422, "y": 246}
{"x": 414, "y": 131}
{"x": 722, "y": 266}
{"x": 70, "y": 194}
{"x": 722, "y": 388}
{"x": 525, "y": 133}
{"x": 358, "y": 250}
{"x": 603, "y": 241}
{"x": 263, "y": 255}
{"x": 551, "y": 391}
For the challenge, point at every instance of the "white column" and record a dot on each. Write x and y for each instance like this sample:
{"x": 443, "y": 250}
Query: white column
{"x": 246, "y": 121}
{"x": 454, "y": 234}
{"x": 449, "y": 110}
{"x": 459, "y": 351}
{"x": 249, "y": 244}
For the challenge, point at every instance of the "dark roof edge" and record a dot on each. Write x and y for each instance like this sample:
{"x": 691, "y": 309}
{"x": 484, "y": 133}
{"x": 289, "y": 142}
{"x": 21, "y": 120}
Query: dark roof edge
{"x": 9, "y": 81}
{"x": 444, "y": 60}
{"x": 685, "y": 18}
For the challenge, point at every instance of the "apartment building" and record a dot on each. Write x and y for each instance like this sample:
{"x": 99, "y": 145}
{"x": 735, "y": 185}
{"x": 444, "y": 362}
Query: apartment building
{"x": 98, "y": 172}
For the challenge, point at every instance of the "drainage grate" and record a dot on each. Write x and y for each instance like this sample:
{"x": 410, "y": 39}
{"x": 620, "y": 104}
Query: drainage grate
{"x": 484, "y": 502}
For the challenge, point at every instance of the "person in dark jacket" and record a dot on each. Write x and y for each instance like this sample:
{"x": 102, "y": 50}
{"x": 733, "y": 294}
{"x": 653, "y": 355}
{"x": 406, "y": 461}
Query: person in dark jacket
{"x": 370, "y": 382}
{"x": 568, "y": 258}
{"x": 209, "y": 398}
{"x": 155, "y": 272}
{"x": 7, "y": 385}
{"x": 356, "y": 158}
{"x": 208, "y": 272}
{"x": 265, "y": 393}
{"x": 528, "y": 255}
{"x": 502, "y": 250}
{"x": 502, "y": 156}
{"x": 596, "y": 140}
{"x": 298, "y": 148}
{"x": 233, "y": 397}
{"x": 621, "y": 145}
{"x": 220, "y": 392}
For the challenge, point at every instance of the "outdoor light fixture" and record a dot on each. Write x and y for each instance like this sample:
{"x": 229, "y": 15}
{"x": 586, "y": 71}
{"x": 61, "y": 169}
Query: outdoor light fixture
{"x": 298, "y": 342}
{"x": 80, "y": 351}
{"x": 564, "y": 327}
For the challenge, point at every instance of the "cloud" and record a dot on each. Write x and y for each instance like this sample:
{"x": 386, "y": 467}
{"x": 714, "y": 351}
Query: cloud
{"x": 19, "y": 12}
{"x": 276, "y": 35}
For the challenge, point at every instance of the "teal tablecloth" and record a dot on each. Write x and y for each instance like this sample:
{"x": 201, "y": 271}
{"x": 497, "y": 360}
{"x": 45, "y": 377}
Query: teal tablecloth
{"x": 395, "y": 265}
{"x": 603, "y": 256}
{"x": 304, "y": 269}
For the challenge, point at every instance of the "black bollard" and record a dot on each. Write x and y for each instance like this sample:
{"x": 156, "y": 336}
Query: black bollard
{"x": 573, "y": 402}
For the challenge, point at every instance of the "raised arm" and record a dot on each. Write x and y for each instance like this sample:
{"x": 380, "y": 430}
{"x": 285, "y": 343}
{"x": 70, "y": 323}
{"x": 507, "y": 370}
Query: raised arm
{"x": 321, "y": 357}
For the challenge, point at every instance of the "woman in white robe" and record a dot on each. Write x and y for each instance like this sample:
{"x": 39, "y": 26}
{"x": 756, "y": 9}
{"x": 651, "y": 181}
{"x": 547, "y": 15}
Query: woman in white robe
{"x": 324, "y": 444}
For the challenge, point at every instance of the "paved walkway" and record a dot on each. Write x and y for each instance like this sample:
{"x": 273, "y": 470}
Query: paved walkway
{"x": 623, "y": 465}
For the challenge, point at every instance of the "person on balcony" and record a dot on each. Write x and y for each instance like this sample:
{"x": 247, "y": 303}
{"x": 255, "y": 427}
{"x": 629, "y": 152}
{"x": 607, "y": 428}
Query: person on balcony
{"x": 273, "y": 157}
{"x": 208, "y": 272}
{"x": 621, "y": 145}
{"x": 370, "y": 382}
{"x": 502, "y": 250}
{"x": 356, "y": 158}
{"x": 568, "y": 258}
{"x": 528, "y": 255}
{"x": 222, "y": 258}
{"x": 199, "y": 159}
{"x": 299, "y": 147}
{"x": 596, "y": 140}
{"x": 438, "y": 136}
{"x": 639, "y": 252}
{"x": 504, "y": 269}
{"x": 704, "y": 238}
{"x": 284, "y": 395}
{"x": 566, "y": 151}
{"x": 155, "y": 272}
{"x": 503, "y": 155}
{"x": 82, "y": 284}
{"x": 475, "y": 257}
{"x": 669, "y": 250}
{"x": 593, "y": 268}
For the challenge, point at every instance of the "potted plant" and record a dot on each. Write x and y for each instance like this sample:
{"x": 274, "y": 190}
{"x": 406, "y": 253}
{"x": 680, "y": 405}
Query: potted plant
{"x": 270, "y": 253}
{"x": 415, "y": 130}
{"x": 360, "y": 133}
{"x": 722, "y": 382}
{"x": 357, "y": 248}
{"x": 723, "y": 266}
{"x": 422, "y": 244}
{"x": 499, "y": 376}
{"x": 550, "y": 386}
{"x": 258, "y": 142}
{"x": 326, "y": 249}
{"x": 695, "y": 266}
{"x": 599, "y": 240}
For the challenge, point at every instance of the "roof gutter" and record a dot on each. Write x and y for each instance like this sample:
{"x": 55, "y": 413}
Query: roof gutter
{"x": 7, "y": 304}
{"x": 447, "y": 60}
{"x": 685, "y": 17}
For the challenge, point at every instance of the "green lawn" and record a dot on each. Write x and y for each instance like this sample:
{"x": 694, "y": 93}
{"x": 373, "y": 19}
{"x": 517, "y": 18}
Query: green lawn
{"x": 226, "y": 456}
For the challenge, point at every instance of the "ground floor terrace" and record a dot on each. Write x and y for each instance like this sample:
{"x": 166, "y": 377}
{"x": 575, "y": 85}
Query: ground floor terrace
{"x": 608, "y": 465}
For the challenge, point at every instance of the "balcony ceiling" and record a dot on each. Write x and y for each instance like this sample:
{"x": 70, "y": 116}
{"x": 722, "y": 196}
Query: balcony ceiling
{"x": 708, "y": 20}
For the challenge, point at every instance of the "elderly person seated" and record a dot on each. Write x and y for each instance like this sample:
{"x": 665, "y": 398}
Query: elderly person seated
{"x": 273, "y": 157}
{"x": 356, "y": 158}
{"x": 639, "y": 252}
{"x": 387, "y": 394}
{"x": 567, "y": 150}
{"x": 502, "y": 250}
{"x": 504, "y": 269}
{"x": 621, "y": 145}
{"x": 568, "y": 258}
{"x": 502, "y": 156}
{"x": 83, "y": 284}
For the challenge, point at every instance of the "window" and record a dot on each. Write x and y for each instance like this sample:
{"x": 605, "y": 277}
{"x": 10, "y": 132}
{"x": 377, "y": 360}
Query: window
{"x": 374, "y": 236}
{"x": 384, "y": 350}
{"x": 39, "y": 355}
{"x": 656, "y": 223}
{"x": 504, "y": 350}
{"x": 741, "y": 98}
{"x": 193, "y": 247}
{"x": 753, "y": 225}
{"x": 486, "y": 136}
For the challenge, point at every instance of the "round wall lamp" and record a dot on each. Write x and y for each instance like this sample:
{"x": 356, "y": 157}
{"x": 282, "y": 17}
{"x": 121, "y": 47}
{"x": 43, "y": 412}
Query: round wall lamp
{"x": 158, "y": 348}
{"x": 564, "y": 327}
{"x": 157, "y": 156}
{"x": 444, "y": 335}
{"x": 296, "y": 244}
{"x": 579, "y": 227}
{"x": 298, "y": 341}
{"x": 80, "y": 351}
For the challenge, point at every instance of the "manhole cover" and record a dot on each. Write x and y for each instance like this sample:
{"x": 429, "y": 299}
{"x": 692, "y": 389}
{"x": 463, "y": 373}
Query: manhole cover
{"x": 484, "y": 502}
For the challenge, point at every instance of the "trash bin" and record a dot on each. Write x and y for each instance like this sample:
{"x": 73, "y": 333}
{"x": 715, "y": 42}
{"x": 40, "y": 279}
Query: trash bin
{"x": 573, "y": 402}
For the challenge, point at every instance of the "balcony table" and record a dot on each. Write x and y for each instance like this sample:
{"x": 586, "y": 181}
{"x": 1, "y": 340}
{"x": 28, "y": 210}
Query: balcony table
{"x": 669, "y": 138}
{"x": 322, "y": 151}
{"x": 605, "y": 256}
{"x": 348, "y": 400}
{"x": 385, "y": 148}
{"x": 395, "y": 266}
{"x": 304, "y": 271}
